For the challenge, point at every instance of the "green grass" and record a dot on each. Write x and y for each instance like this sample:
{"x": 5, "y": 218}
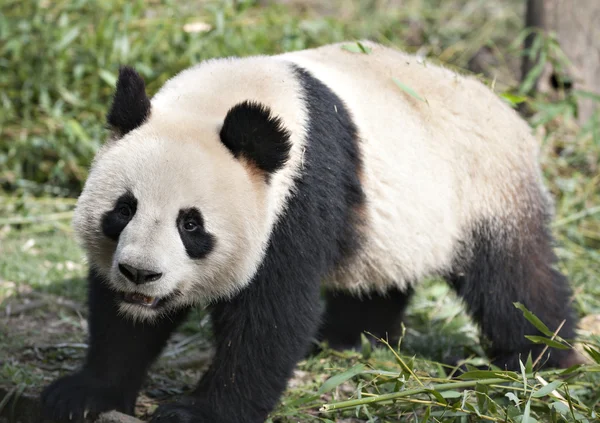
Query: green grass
{"x": 58, "y": 65}
{"x": 59, "y": 60}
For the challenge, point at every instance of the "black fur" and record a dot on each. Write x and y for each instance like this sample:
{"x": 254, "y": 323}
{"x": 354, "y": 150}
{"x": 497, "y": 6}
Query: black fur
{"x": 499, "y": 268}
{"x": 250, "y": 130}
{"x": 131, "y": 105}
{"x": 197, "y": 242}
{"x": 119, "y": 355}
{"x": 115, "y": 220}
{"x": 263, "y": 331}
{"x": 347, "y": 316}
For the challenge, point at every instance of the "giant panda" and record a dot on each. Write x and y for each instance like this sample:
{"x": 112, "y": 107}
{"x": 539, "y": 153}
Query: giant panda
{"x": 249, "y": 185}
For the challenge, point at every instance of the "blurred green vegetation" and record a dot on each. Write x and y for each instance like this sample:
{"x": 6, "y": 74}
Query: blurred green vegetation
{"x": 59, "y": 61}
{"x": 58, "y": 65}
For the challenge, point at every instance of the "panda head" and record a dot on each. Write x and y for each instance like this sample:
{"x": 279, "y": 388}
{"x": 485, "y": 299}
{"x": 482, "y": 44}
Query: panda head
{"x": 175, "y": 209}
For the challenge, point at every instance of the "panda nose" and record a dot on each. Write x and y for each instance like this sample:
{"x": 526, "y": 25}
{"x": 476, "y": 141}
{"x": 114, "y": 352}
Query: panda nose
{"x": 138, "y": 276}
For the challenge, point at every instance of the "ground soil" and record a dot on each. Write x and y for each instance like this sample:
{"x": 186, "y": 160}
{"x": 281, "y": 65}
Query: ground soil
{"x": 46, "y": 338}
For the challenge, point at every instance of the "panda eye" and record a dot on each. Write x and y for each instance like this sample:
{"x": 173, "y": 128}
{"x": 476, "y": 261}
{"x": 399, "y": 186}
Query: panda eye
{"x": 190, "y": 225}
{"x": 125, "y": 211}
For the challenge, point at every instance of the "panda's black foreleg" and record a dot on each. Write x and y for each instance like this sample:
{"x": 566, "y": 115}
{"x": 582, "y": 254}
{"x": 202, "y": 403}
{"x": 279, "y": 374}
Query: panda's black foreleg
{"x": 504, "y": 268}
{"x": 348, "y": 315}
{"x": 119, "y": 354}
{"x": 260, "y": 335}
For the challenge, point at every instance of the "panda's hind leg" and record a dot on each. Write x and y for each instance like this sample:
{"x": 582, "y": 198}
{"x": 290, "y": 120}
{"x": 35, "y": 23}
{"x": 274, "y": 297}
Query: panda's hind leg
{"x": 509, "y": 263}
{"x": 348, "y": 315}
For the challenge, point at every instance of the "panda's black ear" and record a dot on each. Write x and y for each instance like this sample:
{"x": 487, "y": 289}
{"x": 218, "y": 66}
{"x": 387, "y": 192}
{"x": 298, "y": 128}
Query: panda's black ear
{"x": 131, "y": 106}
{"x": 251, "y": 131}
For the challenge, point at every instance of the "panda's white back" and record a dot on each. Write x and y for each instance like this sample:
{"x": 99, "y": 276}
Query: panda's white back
{"x": 431, "y": 167}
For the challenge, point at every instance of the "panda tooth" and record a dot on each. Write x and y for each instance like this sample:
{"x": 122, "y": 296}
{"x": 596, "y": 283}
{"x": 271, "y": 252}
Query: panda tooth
{"x": 137, "y": 298}
{"x": 145, "y": 299}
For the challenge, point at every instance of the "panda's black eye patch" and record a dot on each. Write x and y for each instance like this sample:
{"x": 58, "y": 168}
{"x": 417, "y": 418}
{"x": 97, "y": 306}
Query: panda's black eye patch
{"x": 197, "y": 242}
{"x": 115, "y": 220}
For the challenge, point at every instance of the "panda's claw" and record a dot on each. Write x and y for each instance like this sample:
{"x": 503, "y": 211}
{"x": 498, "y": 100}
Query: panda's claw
{"x": 76, "y": 397}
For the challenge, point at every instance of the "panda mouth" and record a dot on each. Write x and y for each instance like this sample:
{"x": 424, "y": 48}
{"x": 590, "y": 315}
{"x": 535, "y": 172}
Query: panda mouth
{"x": 140, "y": 299}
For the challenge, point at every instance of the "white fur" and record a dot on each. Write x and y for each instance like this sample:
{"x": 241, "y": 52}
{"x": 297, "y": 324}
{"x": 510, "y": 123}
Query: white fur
{"x": 430, "y": 169}
{"x": 177, "y": 160}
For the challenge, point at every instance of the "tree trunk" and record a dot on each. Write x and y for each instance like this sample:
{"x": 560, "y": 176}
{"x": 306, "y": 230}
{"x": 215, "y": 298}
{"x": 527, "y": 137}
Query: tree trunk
{"x": 577, "y": 25}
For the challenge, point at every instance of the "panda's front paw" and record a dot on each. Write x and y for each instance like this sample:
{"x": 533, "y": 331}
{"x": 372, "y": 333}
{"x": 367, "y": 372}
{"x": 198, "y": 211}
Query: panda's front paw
{"x": 72, "y": 398}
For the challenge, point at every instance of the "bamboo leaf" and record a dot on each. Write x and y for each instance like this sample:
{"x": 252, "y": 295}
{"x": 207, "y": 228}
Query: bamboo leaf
{"x": 338, "y": 379}
{"x": 408, "y": 90}
{"x": 534, "y": 320}
{"x": 527, "y": 413}
{"x": 357, "y": 48}
{"x": 550, "y": 342}
{"x": 594, "y": 353}
{"x": 542, "y": 392}
{"x": 511, "y": 396}
{"x": 438, "y": 396}
{"x": 513, "y": 99}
